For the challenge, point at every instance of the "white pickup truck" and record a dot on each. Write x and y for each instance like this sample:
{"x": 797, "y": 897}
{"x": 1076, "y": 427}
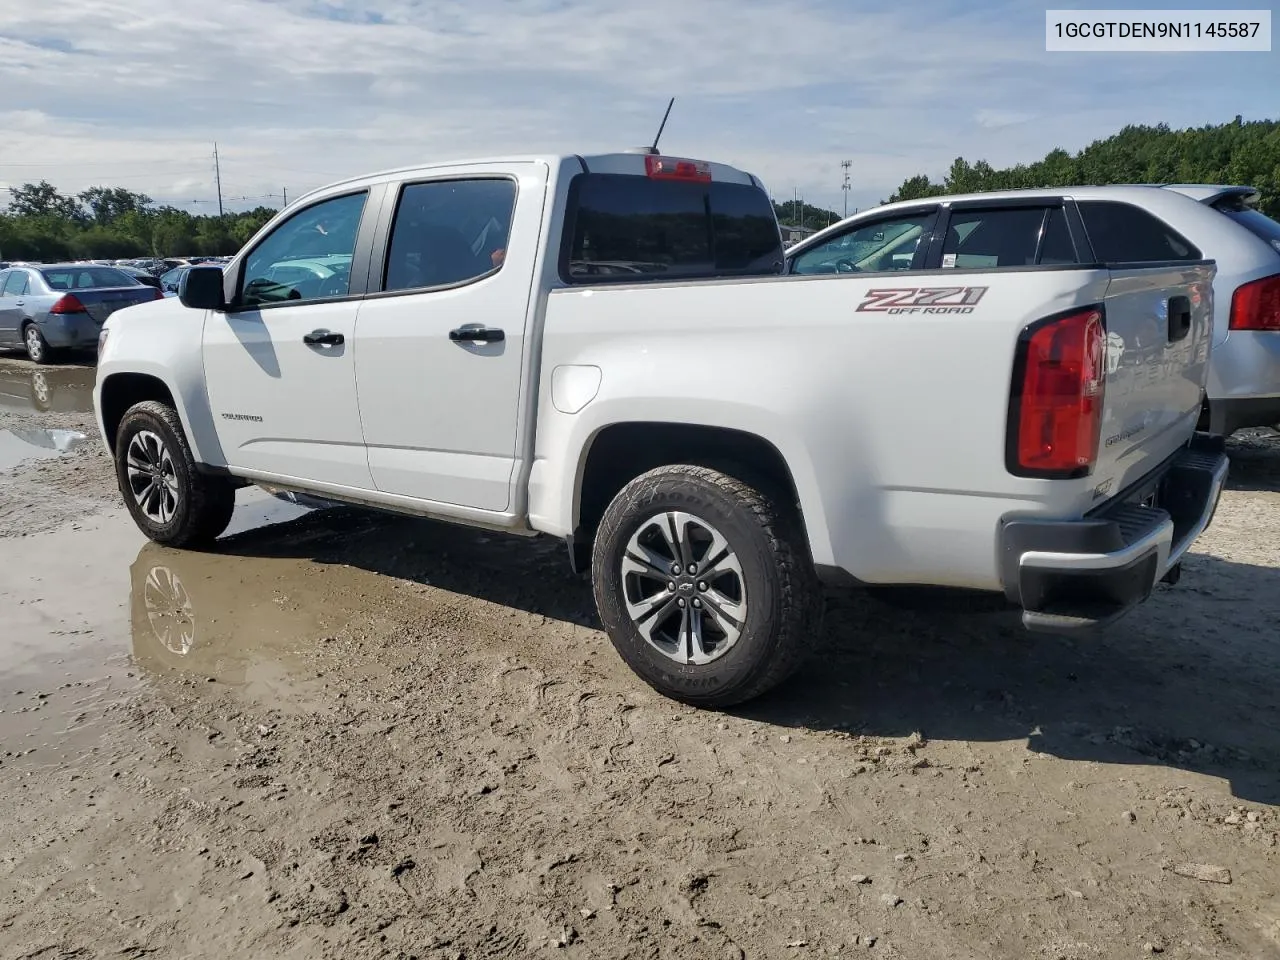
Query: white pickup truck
{"x": 609, "y": 350}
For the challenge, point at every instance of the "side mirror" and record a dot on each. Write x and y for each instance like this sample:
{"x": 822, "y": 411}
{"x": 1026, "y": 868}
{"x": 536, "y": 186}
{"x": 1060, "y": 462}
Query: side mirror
{"x": 201, "y": 289}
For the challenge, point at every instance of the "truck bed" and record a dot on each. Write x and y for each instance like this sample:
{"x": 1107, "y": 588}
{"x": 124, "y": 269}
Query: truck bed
{"x": 888, "y": 396}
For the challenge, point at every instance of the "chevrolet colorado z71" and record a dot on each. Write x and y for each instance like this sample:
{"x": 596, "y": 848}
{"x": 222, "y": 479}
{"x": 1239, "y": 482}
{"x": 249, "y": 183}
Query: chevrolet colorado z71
{"x": 606, "y": 349}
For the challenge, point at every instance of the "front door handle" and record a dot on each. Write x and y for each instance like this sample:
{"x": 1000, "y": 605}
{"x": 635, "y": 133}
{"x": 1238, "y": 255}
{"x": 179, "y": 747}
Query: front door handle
{"x": 323, "y": 338}
{"x": 476, "y": 334}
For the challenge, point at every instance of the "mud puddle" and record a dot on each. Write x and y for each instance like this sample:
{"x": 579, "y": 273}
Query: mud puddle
{"x": 19, "y": 444}
{"x": 25, "y": 388}
{"x": 93, "y": 608}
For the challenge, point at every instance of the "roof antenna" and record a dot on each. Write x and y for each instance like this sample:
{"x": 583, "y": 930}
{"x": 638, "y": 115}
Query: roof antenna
{"x": 662, "y": 126}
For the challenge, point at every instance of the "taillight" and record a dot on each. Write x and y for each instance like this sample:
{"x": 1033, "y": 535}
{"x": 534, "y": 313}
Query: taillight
{"x": 157, "y": 293}
{"x": 67, "y": 303}
{"x": 1058, "y": 389}
{"x": 674, "y": 168}
{"x": 1256, "y": 305}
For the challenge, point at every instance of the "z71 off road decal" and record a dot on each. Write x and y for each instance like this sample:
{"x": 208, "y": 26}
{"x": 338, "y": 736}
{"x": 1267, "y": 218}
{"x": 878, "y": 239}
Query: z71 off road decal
{"x": 922, "y": 300}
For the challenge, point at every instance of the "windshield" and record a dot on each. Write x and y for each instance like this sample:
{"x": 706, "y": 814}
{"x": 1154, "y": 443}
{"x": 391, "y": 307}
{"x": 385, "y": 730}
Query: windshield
{"x": 86, "y": 278}
{"x": 1256, "y": 222}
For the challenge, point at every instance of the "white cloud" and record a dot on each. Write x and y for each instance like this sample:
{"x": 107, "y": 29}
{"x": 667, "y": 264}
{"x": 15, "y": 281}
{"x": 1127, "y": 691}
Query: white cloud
{"x": 300, "y": 92}
{"x": 994, "y": 119}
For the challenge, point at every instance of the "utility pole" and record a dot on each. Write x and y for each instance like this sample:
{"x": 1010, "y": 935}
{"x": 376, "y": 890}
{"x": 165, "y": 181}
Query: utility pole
{"x": 846, "y": 186}
{"x": 284, "y": 194}
{"x": 217, "y": 177}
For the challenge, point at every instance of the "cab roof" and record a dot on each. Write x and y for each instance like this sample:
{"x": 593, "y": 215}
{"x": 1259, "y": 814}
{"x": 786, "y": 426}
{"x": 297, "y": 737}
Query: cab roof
{"x": 622, "y": 162}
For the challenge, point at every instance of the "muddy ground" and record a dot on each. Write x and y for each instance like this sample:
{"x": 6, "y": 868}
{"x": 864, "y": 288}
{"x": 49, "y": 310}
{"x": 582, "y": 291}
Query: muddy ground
{"x": 349, "y": 736}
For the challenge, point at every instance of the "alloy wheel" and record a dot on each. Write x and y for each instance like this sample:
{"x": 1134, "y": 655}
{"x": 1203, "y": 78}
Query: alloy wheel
{"x": 684, "y": 588}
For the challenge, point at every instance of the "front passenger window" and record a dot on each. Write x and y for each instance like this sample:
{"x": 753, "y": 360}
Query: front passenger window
{"x": 308, "y": 257}
{"x": 873, "y": 248}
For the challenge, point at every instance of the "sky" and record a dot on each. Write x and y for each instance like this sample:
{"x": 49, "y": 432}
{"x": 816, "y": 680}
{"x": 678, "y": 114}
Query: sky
{"x": 299, "y": 93}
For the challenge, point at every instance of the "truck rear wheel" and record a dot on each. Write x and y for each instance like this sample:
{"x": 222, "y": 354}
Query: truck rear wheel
{"x": 704, "y": 585}
{"x": 169, "y": 499}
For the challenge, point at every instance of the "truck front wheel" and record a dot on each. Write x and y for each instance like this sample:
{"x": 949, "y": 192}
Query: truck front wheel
{"x": 704, "y": 585}
{"x": 169, "y": 499}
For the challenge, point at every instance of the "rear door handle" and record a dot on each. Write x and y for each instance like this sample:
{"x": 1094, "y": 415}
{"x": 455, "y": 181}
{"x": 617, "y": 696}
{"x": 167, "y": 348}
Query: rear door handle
{"x": 477, "y": 334}
{"x": 323, "y": 338}
{"x": 1179, "y": 318}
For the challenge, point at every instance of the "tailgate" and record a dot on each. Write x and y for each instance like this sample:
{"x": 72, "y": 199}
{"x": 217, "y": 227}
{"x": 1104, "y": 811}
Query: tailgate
{"x": 103, "y": 302}
{"x": 1159, "y": 323}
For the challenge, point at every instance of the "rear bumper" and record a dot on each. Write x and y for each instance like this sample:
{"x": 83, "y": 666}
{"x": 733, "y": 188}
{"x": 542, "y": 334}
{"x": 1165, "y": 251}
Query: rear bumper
{"x": 1225, "y": 416}
{"x": 1244, "y": 382}
{"x": 1080, "y": 574}
{"x": 70, "y": 330}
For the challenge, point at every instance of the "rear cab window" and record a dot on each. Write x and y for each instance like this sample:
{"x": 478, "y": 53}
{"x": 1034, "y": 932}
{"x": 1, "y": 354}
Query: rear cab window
{"x": 629, "y": 228}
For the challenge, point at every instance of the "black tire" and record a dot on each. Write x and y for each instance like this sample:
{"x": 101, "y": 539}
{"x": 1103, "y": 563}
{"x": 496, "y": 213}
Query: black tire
{"x": 203, "y": 503}
{"x": 37, "y": 347}
{"x": 783, "y": 599}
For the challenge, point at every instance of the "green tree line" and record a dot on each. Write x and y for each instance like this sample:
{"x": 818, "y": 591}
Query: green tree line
{"x": 1229, "y": 153}
{"x": 793, "y": 214}
{"x": 114, "y": 223}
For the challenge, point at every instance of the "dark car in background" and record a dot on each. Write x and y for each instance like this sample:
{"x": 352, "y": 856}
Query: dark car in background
{"x": 170, "y": 279}
{"x": 52, "y": 307}
{"x": 141, "y": 274}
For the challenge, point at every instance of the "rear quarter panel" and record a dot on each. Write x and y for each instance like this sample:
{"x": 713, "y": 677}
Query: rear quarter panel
{"x": 890, "y": 406}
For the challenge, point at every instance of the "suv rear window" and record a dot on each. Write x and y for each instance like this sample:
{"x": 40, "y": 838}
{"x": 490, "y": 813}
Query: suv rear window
{"x": 1123, "y": 233}
{"x": 1255, "y": 221}
{"x": 625, "y": 228}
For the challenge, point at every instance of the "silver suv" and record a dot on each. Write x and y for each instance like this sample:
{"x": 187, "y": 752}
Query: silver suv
{"x": 1110, "y": 224}
{"x": 1244, "y": 374}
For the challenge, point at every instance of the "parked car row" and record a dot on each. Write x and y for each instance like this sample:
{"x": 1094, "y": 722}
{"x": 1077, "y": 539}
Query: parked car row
{"x": 48, "y": 308}
{"x": 995, "y": 393}
{"x": 139, "y": 266}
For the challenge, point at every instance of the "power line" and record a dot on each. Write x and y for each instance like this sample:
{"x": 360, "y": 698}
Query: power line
{"x": 77, "y": 164}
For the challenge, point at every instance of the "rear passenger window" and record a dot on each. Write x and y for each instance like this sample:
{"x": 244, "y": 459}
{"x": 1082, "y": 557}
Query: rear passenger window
{"x": 632, "y": 228}
{"x": 984, "y": 239}
{"x": 449, "y": 232}
{"x": 1123, "y": 233}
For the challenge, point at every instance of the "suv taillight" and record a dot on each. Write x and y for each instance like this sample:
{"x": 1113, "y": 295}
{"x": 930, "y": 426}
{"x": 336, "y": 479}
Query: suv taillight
{"x": 67, "y": 303}
{"x": 1256, "y": 305}
{"x": 1059, "y": 382}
